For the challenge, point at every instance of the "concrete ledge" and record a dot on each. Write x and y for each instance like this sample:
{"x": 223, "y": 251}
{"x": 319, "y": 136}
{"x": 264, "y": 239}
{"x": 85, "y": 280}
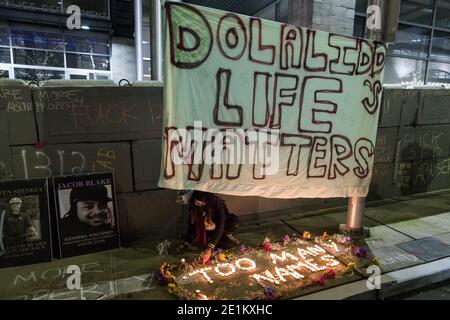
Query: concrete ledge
{"x": 392, "y": 283}
{"x": 354, "y": 290}
{"x": 417, "y": 277}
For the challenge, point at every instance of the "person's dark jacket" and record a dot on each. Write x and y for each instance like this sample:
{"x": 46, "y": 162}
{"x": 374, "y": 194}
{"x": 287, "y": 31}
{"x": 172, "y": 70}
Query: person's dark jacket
{"x": 219, "y": 215}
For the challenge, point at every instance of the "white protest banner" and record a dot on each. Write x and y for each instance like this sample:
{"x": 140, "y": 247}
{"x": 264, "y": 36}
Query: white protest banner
{"x": 256, "y": 107}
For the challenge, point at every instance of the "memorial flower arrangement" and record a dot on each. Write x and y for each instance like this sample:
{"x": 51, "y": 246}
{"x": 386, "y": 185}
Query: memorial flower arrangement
{"x": 270, "y": 294}
{"x": 360, "y": 252}
{"x": 344, "y": 239}
{"x": 165, "y": 276}
{"x": 267, "y": 245}
{"x": 351, "y": 266}
{"x": 376, "y": 262}
{"x": 329, "y": 275}
{"x": 243, "y": 250}
{"x": 226, "y": 262}
{"x": 286, "y": 239}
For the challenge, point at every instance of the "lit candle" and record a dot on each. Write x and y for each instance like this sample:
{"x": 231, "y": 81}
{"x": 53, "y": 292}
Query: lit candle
{"x": 332, "y": 262}
{"x": 281, "y": 272}
{"x": 314, "y": 265}
{"x": 268, "y": 276}
{"x": 223, "y": 265}
{"x": 251, "y": 264}
{"x": 202, "y": 271}
{"x": 331, "y": 244}
{"x": 292, "y": 268}
{"x": 316, "y": 250}
{"x": 284, "y": 256}
{"x": 305, "y": 265}
{"x": 303, "y": 253}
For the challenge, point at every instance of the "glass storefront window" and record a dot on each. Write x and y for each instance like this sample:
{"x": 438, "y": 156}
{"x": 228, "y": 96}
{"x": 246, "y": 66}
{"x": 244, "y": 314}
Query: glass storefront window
{"x": 38, "y": 57}
{"x": 147, "y": 67}
{"x": 402, "y": 69}
{"x": 438, "y": 72}
{"x": 5, "y": 55}
{"x": 85, "y": 61}
{"x": 443, "y": 14}
{"x": 411, "y": 41}
{"x": 4, "y": 37}
{"x": 38, "y": 40}
{"x": 52, "y": 50}
{"x": 88, "y": 45}
{"x": 4, "y": 74}
{"x": 41, "y": 5}
{"x": 441, "y": 46}
{"x": 100, "y": 77}
{"x": 97, "y": 8}
{"x": 417, "y": 11}
{"x": 37, "y": 74}
{"x": 146, "y": 50}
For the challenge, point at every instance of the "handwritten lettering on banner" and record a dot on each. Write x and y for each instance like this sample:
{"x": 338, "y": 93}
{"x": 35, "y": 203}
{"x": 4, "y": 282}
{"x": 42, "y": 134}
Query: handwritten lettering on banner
{"x": 255, "y": 107}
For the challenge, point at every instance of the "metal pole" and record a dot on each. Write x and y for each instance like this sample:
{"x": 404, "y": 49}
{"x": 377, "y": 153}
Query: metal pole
{"x": 355, "y": 212}
{"x": 138, "y": 39}
{"x": 380, "y": 16}
{"x": 156, "y": 43}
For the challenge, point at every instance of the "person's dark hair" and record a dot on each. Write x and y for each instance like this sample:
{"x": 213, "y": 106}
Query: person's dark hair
{"x": 98, "y": 193}
{"x": 212, "y": 202}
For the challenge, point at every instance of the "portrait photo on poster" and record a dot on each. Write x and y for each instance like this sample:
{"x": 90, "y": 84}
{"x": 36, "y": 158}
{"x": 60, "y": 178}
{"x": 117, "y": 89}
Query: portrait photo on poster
{"x": 24, "y": 222}
{"x": 91, "y": 207}
{"x": 86, "y": 213}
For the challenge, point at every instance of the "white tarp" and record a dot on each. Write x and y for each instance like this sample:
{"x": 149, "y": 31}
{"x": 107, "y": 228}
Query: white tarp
{"x": 256, "y": 107}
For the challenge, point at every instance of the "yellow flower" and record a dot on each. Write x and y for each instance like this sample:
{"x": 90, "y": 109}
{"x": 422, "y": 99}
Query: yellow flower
{"x": 222, "y": 256}
{"x": 351, "y": 266}
{"x": 376, "y": 262}
{"x": 172, "y": 288}
{"x": 306, "y": 235}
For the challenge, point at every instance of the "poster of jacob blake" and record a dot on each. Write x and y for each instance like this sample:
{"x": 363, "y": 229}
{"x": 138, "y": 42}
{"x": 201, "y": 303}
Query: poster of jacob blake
{"x": 24, "y": 222}
{"x": 87, "y": 215}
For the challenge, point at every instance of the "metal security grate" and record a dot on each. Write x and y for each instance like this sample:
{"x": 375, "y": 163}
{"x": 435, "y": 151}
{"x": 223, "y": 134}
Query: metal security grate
{"x": 426, "y": 248}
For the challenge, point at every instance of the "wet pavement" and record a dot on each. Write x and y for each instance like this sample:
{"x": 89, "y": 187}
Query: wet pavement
{"x": 129, "y": 272}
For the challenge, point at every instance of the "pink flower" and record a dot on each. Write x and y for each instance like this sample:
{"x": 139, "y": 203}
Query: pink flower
{"x": 330, "y": 274}
{"x": 271, "y": 294}
{"x": 267, "y": 246}
{"x": 344, "y": 239}
{"x": 322, "y": 280}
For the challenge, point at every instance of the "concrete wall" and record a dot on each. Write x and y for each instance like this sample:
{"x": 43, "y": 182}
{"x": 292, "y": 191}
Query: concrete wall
{"x": 300, "y": 13}
{"x": 335, "y": 16}
{"x": 413, "y": 146}
{"x": 121, "y": 132}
